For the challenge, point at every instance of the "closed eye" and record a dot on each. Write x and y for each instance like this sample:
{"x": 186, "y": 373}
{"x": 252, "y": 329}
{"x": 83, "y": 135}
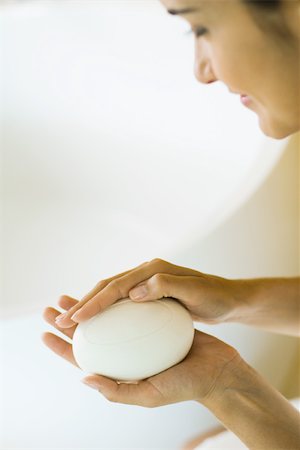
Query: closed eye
{"x": 197, "y": 31}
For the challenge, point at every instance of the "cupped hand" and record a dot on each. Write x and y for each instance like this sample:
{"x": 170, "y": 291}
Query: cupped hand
{"x": 199, "y": 375}
{"x": 209, "y": 299}
{"x": 204, "y": 372}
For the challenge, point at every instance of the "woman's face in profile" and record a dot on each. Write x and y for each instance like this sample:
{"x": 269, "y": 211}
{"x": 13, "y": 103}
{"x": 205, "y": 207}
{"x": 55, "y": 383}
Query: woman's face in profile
{"x": 253, "y": 61}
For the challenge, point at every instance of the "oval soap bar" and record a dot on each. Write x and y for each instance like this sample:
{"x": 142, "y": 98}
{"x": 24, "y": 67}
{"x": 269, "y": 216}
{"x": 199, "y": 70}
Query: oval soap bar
{"x": 130, "y": 341}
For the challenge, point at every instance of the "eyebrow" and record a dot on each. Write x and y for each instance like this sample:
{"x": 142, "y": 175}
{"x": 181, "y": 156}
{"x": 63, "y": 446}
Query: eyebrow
{"x": 176, "y": 12}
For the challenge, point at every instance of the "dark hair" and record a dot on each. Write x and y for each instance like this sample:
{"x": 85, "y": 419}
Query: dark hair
{"x": 267, "y": 4}
{"x": 268, "y": 17}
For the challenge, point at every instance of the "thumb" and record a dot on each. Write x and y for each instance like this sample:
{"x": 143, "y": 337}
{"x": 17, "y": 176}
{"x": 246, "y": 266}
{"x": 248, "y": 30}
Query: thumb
{"x": 161, "y": 285}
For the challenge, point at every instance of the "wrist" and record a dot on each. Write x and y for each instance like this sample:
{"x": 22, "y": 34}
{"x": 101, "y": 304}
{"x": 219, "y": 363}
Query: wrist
{"x": 227, "y": 382}
{"x": 252, "y": 409}
{"x": 243, "y": 299}
{"x": 269, "y": 303}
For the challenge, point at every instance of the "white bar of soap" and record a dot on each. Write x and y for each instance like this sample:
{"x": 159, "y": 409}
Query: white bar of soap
{"x": 131, "y": 341}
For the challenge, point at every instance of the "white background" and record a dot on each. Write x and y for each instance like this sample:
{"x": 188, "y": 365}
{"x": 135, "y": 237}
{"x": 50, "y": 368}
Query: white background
{"x": 113, "y": 155}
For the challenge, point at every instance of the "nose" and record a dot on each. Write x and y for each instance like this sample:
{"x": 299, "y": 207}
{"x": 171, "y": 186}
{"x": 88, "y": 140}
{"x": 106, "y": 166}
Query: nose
{"x": 202, "y": 66}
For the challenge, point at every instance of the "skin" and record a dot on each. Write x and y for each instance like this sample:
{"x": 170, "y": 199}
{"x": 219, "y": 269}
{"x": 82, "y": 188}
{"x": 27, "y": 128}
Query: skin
{"x": 248, "y": 60}
{"x": 156, "y": 391}
{"x": 213, "y": 373}
{"x": 253, "y": 62}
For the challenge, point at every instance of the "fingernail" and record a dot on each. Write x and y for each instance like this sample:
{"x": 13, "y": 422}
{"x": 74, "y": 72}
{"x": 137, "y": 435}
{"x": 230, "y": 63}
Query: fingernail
{"x": 91, "y": 384}
{"x": 139, "y": 292}
{"x": 74, "y": 317}
{"x": 60, "y": 317}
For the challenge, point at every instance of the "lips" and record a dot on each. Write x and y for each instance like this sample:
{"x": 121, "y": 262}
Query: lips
{"x": 245, "y": 99}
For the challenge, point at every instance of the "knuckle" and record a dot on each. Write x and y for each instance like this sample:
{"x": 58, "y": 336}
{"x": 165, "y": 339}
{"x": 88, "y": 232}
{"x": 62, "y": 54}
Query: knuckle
{"x": 101, "y": 284}
{"x": 111, "y": 397}
{"x": 159, "y": 282}
{"x": 158, "y": 279}
{"x": 117, "y": 286}
{"x": 157, "y": 262}
{"x": 144, "y": 264}
{"x": 152, "y": 404}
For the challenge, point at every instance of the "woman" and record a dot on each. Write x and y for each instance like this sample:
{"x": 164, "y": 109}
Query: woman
{"x": 252, "y": 47}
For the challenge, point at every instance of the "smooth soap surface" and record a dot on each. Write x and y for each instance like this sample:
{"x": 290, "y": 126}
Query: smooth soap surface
{"x": 130, "y": 341}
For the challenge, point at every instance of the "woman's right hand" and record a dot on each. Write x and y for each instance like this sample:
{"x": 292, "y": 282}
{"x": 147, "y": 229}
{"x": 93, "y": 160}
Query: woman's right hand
{"x": 208, "y": 298}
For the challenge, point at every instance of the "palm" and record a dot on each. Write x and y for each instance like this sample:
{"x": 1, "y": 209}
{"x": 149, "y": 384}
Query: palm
{"x": 191, "y": 379}
{"x": 195, "y": 376}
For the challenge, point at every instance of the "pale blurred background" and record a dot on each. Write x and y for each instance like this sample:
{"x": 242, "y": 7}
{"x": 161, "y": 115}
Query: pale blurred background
{"x": 112, "y": 154}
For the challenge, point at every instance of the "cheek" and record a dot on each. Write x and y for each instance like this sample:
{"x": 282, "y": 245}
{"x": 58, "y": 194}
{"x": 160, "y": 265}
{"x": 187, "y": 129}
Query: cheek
{"x": 234, "y": 58}
{"x": 227, "y": 68}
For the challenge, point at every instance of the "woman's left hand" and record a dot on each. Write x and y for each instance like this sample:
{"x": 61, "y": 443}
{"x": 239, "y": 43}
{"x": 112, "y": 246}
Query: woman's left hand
{"x": 195, "y": 378}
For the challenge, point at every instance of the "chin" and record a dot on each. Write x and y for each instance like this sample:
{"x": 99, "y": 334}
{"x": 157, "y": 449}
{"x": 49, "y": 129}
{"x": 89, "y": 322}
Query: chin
{"x": 277, "y": 131}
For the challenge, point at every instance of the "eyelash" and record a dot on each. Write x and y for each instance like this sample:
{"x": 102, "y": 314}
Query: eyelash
{"x": 198, "y": 31}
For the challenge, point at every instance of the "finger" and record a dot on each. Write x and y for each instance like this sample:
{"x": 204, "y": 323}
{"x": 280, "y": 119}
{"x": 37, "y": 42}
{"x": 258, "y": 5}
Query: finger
{"x": 119, "y": 288}
{"x": 59, "y": 346}
{"x": 160, "y": 285}
{"x": 64, "y": 319}
{"x": 142, "y": 393}
{"x": 66, "y": 302}
{"x": 199, "y": 294}
{"x": 102, "y": 284}
{"x": 50, "y": 315}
